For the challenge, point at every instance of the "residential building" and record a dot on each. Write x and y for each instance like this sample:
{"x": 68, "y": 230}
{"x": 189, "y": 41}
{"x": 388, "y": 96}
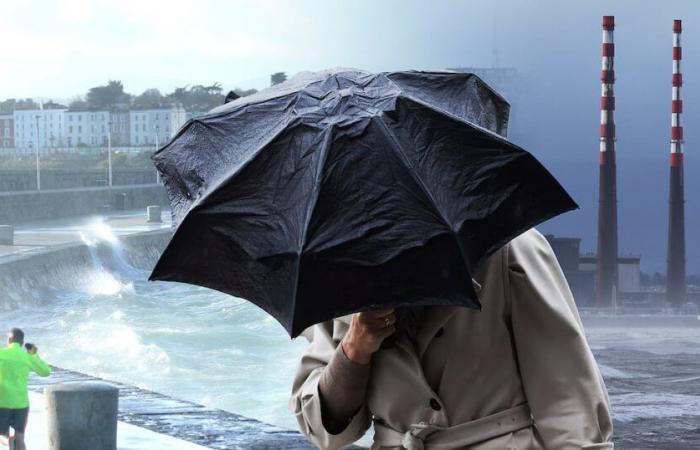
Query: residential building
{"x": 86, "y": 128}
{"x": 44, "y": 127}
{"x": 7, "y": 131}
{"x": 155, "y": 127}
{"x": 120, "y": 126}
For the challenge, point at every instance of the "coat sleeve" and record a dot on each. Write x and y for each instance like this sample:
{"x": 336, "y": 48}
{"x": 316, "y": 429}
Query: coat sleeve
{"x": 305, "y": 401}
{"x": 38, "y": 366}
{"x": 562, "y": 382}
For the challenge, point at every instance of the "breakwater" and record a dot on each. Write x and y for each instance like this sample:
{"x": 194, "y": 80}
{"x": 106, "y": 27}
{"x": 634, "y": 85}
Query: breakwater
{"x": 31, "y": 278}
{"x": 27, "y": 206}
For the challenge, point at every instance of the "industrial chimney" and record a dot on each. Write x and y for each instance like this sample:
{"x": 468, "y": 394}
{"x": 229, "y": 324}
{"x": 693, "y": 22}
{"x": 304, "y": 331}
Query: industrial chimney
{"x": 675, "y": 268}
{"x": 606, "y": 267}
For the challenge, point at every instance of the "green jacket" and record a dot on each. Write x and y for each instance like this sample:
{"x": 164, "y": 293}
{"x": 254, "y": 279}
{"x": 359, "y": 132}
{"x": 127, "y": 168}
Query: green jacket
{"x": 15, "y": 365}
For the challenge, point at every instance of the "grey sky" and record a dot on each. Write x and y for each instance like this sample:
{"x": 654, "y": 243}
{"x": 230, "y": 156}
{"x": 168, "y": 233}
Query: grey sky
{"x": 60, "y": 48}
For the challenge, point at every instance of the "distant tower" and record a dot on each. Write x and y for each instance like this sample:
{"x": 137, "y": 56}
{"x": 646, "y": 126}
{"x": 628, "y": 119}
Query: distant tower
{"x": 606, "y": 267}
{"x": 675, "y": 264}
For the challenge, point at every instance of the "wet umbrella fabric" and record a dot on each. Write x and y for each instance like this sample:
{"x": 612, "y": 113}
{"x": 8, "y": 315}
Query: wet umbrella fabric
{"x": 344, "y": 190}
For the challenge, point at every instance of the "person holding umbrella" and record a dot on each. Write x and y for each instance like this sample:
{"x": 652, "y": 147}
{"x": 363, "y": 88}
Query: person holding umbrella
{"x": 394, "y": 196}
{"x": 516, "y": 375}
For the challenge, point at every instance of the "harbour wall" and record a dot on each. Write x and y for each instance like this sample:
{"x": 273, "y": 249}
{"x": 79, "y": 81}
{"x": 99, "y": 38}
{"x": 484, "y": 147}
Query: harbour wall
{"x": 32, "y": 277}
{"x": 27, "y": 206}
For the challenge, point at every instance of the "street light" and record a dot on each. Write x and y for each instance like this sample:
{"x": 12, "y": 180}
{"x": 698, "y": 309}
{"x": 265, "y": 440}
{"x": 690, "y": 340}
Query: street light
{"x": 157, "y": 173}
{"x": 109, "y": 152}
{"x": 36, "y": 144}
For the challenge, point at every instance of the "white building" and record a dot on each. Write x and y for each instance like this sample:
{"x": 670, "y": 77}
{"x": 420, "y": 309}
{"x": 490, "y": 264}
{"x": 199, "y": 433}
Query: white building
{"x": 121, "y": 128}
{"x": 155, "y": 127}
{"x": 47, "y": 123}
{"x": 86, "y": 128}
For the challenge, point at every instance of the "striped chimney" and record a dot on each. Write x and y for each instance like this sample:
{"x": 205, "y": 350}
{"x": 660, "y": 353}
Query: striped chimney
{"x": 606, "y": 267}
{"x": 675, "y": 264}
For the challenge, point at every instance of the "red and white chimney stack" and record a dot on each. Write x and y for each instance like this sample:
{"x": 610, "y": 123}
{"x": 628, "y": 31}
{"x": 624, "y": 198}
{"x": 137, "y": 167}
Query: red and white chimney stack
{"x": 675, "y": 268}
{"x": 606, "y": 267}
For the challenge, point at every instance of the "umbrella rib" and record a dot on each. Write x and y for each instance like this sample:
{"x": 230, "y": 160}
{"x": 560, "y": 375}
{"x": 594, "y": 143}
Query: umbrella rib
{"x": 402, "y": 156}
{"x": 311, "y": 207}
{"x": 221, "y": 182}
{"x": 449, "y": 115}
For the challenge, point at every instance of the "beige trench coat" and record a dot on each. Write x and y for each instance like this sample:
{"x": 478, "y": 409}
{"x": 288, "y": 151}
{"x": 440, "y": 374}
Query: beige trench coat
{"x": 516, "y": 375}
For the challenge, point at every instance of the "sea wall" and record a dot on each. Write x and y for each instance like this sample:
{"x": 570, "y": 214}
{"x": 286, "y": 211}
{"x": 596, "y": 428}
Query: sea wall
{"x": 25, "y": 179}
{"x": 27, "y": 206}
{"x": 32, "y": 277}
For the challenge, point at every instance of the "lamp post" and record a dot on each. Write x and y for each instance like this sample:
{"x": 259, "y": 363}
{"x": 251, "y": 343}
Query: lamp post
{"x": 109, "y": 152}
{"x": 36, "y": 145}
{"x": 157, "y": 145}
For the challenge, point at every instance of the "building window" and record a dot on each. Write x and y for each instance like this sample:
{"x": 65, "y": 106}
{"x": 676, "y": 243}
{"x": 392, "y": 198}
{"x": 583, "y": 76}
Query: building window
{"x": 144, "y": 127}
{"x": 70, "y": 129}
{"x": 137, "y": 139}
{"x": 80, "y": 129}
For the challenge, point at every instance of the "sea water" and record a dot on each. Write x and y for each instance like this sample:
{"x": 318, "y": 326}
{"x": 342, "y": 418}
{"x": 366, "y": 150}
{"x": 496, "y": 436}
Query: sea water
{"x": 181, "y": 340}
{"x": 223, "y": 352}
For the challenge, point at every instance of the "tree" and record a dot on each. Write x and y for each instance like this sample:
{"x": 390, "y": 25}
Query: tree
{"x": 110, "y": 96}
{"x": 12, "y": 104}
{"x": 150, "y": 99}
{"x": 53, "y": 105}
{"x": 78, "y": 104}
{"x": 197, "y": 98}
{"x": 277, "y": 78}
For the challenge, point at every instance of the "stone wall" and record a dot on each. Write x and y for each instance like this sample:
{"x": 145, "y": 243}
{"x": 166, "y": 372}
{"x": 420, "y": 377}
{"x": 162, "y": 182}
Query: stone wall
{"x": 31, "y": 278}
{"x": 27, "y": 206}
{"x": 25, "y": 179}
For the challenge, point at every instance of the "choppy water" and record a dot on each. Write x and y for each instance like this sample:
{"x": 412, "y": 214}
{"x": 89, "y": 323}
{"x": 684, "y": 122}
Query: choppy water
{"x": 214, "y": 349}
{"x": 181, "y": 340}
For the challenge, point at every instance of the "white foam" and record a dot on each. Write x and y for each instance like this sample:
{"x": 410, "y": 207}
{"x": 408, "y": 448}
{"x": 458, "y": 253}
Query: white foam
{"x": 644, "y": 405}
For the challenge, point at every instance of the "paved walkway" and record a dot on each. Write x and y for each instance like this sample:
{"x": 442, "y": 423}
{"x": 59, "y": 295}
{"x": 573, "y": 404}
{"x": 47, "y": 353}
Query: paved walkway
{"x": 129, "y": 437}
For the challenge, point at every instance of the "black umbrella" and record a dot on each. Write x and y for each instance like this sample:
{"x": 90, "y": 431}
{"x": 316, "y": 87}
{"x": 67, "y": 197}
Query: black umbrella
{"x": 343, "y": 190}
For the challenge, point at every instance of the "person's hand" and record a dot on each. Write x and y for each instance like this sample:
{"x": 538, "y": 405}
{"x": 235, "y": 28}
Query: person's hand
{"x": 367, "y": 331}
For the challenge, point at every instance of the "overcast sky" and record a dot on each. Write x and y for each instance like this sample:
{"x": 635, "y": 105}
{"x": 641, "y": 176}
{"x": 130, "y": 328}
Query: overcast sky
{"x": 60, "y": 48}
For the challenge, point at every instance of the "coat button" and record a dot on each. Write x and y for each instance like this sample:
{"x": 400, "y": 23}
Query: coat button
{"x": 440, "y": 332}
{"x": 435, "y": 404}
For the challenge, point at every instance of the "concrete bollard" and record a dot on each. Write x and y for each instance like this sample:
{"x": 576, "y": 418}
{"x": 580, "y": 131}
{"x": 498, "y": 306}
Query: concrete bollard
{"x": 119, "y": 201}
{"x": 7, "y": 235}
{"x": 82, "y": 416}
{"x": 153, "y": 214}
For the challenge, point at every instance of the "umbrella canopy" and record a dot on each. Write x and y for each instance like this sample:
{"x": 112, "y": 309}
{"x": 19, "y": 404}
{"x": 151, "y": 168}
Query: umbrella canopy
{"x": 343, "y": 190}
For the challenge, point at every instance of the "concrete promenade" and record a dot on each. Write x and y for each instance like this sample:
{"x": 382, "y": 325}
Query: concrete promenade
{"x": 129, "y": 437}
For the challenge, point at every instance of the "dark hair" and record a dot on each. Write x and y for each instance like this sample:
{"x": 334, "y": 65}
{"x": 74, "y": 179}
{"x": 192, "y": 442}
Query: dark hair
{"x": 16, "y": 335}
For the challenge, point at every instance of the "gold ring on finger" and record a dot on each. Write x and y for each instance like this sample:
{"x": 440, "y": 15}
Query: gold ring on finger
{"x": 386, "y": 322}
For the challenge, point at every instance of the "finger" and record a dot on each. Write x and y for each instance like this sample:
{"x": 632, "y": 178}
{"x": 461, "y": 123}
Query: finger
{"x": 384, "y": 322}
{"x": 379, "y": 312}
{"x": 386, "y": 332}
